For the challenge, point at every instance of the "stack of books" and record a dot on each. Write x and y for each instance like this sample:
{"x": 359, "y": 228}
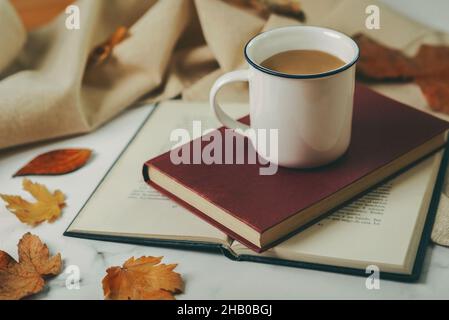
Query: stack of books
{"x": 374, "y": 206}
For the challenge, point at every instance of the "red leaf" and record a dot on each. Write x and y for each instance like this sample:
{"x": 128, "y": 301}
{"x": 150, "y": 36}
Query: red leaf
{"x": 56, "y": 162}
{"x": 378, "y": 62}
{"x": 436, "y": 92}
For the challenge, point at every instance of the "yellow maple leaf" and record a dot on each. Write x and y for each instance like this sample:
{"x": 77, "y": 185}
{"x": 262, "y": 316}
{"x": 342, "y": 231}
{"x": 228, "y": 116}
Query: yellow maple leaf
{"x": 47, "y": 207}
{"x": 142, "y": 279}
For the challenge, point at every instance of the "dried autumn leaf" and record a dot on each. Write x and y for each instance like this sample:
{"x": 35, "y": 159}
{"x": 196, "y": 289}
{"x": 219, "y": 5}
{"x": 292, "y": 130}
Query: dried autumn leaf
{"x": 433, "y": 61}
{"x": 48, "y": 206}
{"x": 378, "y": 62}
{"x": 288, "y": 8}
{"x": 436, "y": 92}
{"x": 27, "y": 277}
{"x": 142, "y": 279}
{"x": 429, "y": 69}
{"x": 102, "y": 52}
{"x": 56, "y": 162}
{"x": 263, "y": 8}
{"x": 433, "y": 76}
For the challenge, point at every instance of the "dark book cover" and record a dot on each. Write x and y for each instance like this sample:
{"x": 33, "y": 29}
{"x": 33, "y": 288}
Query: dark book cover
{"x": 383, "y": 130}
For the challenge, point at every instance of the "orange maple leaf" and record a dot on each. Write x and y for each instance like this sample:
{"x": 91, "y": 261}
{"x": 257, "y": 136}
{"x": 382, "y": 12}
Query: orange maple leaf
{"x": 142, "y": 279}
{"x": 48, "y": 206}
{"x": 26, "y": 277}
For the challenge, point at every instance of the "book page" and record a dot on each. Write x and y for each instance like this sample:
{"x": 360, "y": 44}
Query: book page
{"x": 124, "y": 205}
{"x": 382, "y": 227}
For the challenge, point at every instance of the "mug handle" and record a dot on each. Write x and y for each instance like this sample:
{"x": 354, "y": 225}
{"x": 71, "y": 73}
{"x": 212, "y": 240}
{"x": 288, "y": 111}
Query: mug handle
{"x": 226, "y": 120}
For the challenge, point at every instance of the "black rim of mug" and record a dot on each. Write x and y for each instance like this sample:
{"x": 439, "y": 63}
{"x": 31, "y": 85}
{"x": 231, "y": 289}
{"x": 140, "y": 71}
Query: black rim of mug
{"x": 300, "y": 76}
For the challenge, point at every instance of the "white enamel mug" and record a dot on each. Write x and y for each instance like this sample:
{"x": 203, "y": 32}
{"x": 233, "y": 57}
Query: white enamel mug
{"x": 312, "y": 113}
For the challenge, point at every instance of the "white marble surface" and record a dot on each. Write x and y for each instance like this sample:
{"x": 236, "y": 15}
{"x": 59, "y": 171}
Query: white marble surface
{"x": 206, "y": 275}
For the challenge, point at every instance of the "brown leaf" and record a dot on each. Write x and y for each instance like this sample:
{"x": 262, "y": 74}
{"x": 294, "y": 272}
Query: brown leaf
{"x": 27, "y": 277}
{"x": 263, "y": 8}
{"x": 436, "y": 92}
{"x": 429, "y": 69}
{"x": 102, "y": 52}
{"x": 56, "y": 162}
{"x": 433, "y": 76}
{"x": 142, "y": 279}
{"x": 433, "y": 61}
{"x": 288, "y": 8}
{"x": 378, "y": 62}
{"x": 48, "y": 206}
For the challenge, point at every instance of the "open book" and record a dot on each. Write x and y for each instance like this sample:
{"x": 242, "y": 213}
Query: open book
{"x": 232, "y": 192}
{"x": 387, "y": 227}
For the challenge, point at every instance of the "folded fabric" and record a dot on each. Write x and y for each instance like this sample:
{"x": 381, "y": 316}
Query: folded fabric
{"x": 175, "y": 47}
{"x": 13, "y": 35}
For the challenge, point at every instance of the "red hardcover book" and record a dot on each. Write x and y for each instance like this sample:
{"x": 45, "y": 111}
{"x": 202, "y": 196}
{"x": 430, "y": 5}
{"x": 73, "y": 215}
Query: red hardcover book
{"x": 260, "y": 211}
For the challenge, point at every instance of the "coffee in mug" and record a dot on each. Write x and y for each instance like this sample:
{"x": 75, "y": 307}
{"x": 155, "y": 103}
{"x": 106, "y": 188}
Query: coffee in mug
{"x": 303, "y": 62}
{"x": 309, "y": 103}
